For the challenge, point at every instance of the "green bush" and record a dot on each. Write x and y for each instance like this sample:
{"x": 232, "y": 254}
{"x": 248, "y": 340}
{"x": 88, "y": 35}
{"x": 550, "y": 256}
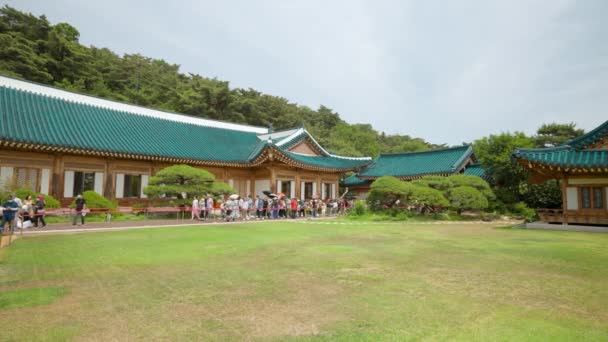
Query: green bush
{"x": 466, "y": 197}
{"x": 474, "y": 182}
{"x": 95, "y": 200}
{"x": 385, "y": 191}
{"x": 523, "y": 211}
{"x": 50, "y": 201}
{"x": 547, "y": 195}
{"x": 426, "y": 195}
{"x": 441, "y": 183}
{"x": 359, "y": 208}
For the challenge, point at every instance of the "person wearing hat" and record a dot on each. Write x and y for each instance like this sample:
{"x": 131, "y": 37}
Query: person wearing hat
{"x": 81, "y": 205}
{"x": 10, "y": 208}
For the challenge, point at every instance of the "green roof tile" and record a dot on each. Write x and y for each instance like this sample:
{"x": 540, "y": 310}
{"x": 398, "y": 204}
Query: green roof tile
{"x": 41, "y": 119}
{"x": 353, "y": 180}
{"x": 333, "y": 162}
{"x": 413, "y": 164}
{"x": 589, "y": 137}
{"x": 475, "y": 170}
{"x": 37, "y": 119}
{"x": 570, "y": 154}
{"x": 564, "y": 156}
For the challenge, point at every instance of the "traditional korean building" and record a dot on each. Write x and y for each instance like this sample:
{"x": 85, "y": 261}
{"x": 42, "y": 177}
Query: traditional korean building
{"x": 413, "y": 165}
{"x": 63, "y": 143}
{"x": 581, "y": 166}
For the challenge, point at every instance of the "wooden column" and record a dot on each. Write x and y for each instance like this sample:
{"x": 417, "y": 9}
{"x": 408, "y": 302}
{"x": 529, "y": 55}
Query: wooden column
{"x": 319, "y": 185}
{"x": 57, "y": 177}
{"x": 273, "y": 178}
{"x": 298, "y": 184}
{"x": 564, "y": 184}
{"x": 108, "y": 189}
{"x": 252, "y": 184}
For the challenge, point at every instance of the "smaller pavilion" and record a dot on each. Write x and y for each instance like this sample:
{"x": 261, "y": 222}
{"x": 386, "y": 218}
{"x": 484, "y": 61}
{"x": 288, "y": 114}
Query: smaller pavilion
{"x": 581, "y": 166}
{"x": 413, "y": 165}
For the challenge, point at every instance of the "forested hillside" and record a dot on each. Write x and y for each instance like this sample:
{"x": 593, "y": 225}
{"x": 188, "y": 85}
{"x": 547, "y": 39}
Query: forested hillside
{"x": 33, "y": 49}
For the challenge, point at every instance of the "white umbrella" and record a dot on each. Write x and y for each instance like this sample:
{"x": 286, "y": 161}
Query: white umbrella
{"x": 234, "y": 196}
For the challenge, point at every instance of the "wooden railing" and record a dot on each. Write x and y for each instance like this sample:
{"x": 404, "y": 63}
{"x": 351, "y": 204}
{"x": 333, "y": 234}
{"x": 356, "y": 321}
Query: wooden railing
{"x": 573, "y": 217}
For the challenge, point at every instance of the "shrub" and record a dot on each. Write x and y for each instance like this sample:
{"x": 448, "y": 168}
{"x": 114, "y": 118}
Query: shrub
{"x": 546, "y": 195}
{"x": 359, "y": 208}
{"x": 50, "y": 201}
{"x": 95, "y": 200}
{"x": 176, "y": 180}
{"x": 466, "y": 197}
{"x": 427, "y": 196}
{"x": 521, "y": 209}
{"x": 474, "y": 182}
{"x": 385, "y": 191}
{"x": 436, "y": 182}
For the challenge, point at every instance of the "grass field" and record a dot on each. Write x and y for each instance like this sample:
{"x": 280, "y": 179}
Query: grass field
{"x": 307, "y": 281}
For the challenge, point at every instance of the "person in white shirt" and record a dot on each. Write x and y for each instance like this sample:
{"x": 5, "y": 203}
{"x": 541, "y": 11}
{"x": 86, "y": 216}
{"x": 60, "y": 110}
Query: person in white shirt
{"x": 209, "y": 207}
{"x": 245, "y": 210}
{"x": 195, "y": 209}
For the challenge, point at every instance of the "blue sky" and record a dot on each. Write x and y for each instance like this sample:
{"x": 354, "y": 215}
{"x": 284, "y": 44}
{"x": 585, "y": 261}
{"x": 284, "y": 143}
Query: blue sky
{"x": 446, "y": 71}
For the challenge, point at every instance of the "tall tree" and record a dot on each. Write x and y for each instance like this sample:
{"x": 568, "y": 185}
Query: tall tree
{"x": 554, "y": 134}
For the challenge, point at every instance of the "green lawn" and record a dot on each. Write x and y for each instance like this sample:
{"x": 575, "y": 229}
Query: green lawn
{"x": 307, "y": 281}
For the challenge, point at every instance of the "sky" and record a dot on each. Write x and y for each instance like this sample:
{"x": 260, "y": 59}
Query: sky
{"x": 446, "y": 71}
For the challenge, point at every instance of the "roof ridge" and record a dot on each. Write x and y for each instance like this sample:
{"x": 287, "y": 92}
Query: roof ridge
{"x": 281, "y": 131}
{"x": 426, "y": 151}
{"x": 350, "y": 158}
{"x": 581, "y": 139}
{"x": 120, "y": 106}
{"x": 463, "y": 158}
{"x": 544, "y": 149}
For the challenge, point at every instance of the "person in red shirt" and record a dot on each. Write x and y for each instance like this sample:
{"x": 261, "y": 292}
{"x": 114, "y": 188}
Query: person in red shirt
{"x": 294, "y": 208}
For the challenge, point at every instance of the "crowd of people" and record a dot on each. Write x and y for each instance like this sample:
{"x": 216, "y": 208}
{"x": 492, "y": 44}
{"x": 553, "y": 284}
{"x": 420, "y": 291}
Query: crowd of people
{"x": 246, "y": 208}
{"x": 26, "y": 213}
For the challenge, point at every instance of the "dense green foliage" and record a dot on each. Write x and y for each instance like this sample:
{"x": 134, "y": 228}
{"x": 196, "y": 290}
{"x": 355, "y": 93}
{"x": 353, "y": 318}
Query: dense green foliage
{"x": 511, "y": 181}
{"x": 444, "y": 184}
{"x": 95, "y": 201}
{"x": 388, "y": 192}
{"x": 466, "y": 197}
{"x": 33, "y": 49}
{"x": 50, "y": 201}
{"x": 544, "y": 195}
{"x": 554, "y": 134}
{"x": 385, "y": 192}
{"x": 179, "y": 180}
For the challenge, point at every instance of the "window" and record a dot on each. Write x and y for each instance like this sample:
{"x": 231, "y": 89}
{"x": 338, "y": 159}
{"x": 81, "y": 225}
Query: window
{"x": 286, "y": 187}
{"x": 308, "y": 190}
{"x": 26, "y": 178}
{"x": 327, "y": 190}
{"x": 83, "y": 181}
{"x": 132, "y": 186}
{"x": 592, "y": 197}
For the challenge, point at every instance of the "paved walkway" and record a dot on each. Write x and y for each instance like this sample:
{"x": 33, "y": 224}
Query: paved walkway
{"x": 63, "y": 228}
{"x": 59, "y": 228}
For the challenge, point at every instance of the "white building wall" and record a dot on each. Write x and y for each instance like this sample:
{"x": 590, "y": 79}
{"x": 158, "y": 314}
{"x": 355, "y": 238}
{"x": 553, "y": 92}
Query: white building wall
{"x": 120, "y": 185}
{"x": 45, "y": 181}
{"x": 572, "y": 198}
{"x": 68, "y": 184}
